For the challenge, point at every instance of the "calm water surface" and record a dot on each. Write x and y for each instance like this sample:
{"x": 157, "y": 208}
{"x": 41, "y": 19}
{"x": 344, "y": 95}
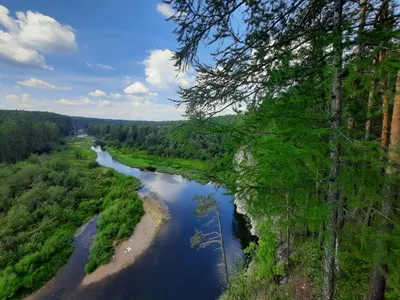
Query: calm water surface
{"x": 170, "y": 268}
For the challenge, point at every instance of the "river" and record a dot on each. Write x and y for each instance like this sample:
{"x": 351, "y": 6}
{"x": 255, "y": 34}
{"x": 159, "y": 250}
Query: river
{"x": 170, "y": 268}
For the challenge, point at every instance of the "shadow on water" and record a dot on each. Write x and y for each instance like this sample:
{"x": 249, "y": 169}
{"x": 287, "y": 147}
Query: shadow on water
{"x": 241, "y": 230}
{"x": 170, "y": 268}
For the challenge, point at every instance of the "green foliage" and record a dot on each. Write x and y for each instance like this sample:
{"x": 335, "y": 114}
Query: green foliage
{"x": 308, "y": 259}
{"x": 265, "y": 254}
{"x": 190, "y": 168}
{"x": 312, "y": 75}
{"x": 24, "y": 133}
{"x": 93, "y": 165}
{"x": 245, "y": 284}
{"x": 122, "y": 210}
{"x": 188, "y": 140}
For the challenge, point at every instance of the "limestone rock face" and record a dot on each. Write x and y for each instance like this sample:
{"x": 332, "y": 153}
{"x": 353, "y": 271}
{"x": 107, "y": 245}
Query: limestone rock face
{"x": 244, "y": 159}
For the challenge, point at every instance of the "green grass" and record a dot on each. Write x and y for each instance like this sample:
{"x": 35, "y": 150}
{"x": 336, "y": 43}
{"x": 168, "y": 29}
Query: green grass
{"x": 190, "y": 168}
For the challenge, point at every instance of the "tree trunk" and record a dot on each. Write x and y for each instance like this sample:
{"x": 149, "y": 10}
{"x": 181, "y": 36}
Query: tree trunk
{"x": 287, "y": 230}
{"x": 339, "y": 226}
{"x": 384, "y": 14}
{"x": 321, "y": 237}
{"x": 333, "y": 196}
{"x": 363, "y": 11}
{"x": 386, "y": 118}
{"x": 222, "y": 244}
{"x": 377, "y": 286}
{"x": 377, "y": 283}
{"x": 367, "y": 220}
{"x": 368, "y": 124}
{"x": 361, "y": 27}
{"x": 394, "y": 149}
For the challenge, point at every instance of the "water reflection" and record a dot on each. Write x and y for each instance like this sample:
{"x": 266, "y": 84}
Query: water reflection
{"x": 170, "y": 268}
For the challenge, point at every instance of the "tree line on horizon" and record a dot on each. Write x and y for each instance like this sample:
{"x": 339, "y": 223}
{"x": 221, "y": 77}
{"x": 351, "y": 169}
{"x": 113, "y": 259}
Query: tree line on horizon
{"x": 176, "y": 139}
{"x": 25, "y": 132}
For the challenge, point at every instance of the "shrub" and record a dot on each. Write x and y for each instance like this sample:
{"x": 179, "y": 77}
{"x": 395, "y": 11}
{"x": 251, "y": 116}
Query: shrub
{"x": 93, "y": 165}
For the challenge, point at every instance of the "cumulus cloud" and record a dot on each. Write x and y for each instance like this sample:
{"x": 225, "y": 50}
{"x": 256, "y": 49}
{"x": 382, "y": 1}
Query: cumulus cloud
{"x": 30, "y": 35}
{"x": 165, "y": 9}
{"x": 97, "y": 93}
{"x": 107, "y": 67}
{"x": 40, "y": 84}
{"x": 12, "y": 97}
{"x": 115, "y": 96}
{"x": 161, "y": 72}
{"x": 136, "y": 88}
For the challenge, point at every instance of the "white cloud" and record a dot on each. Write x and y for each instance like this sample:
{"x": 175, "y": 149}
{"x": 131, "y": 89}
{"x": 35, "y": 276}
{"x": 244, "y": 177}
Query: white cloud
{"x": 165, "y": 9}
{"x": 26, "y": 106}
{"x": 161, "y": 72}
{"x": 115, "y": 96}
{"x": 40, "y": 84}
{"x": 11, "y": 51}
{"x": 147, "y": 109}
{"x": 136, "y": 88}
{"x": 12, "y": 97}
{"x": 25, "y": 98}
{"x": 69, "y": 102}
{"x": 107, "y": 67}
{"x": 84, "y": 102}
{"x": 97, "y": 93}
{"x": 103, "y": 103}
{"x": 135, "y": 107}
{"x": 128, "y": 80}
{"x": 29, "y": 35}
{"x": 89, "y": 65}
{"x": 87, "y": 101}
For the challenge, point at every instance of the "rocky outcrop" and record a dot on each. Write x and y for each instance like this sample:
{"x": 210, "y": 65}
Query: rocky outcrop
{"x": 244, "y": 159}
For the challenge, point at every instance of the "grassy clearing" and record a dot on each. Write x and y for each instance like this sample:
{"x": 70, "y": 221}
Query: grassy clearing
{"x": 190, "y": 168}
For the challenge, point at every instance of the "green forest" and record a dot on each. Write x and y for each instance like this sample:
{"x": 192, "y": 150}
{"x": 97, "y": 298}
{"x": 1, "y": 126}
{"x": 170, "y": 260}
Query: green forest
{"x": 311, "y": 150}
{"x": 47, "y": 196}
{"x": 199, "y": 150}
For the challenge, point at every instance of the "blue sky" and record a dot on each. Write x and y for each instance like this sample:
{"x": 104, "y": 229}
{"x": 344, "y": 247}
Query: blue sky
{"x": 106, "y": 59}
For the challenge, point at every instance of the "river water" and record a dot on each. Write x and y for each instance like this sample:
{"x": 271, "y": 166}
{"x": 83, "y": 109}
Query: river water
{"x": 170, "y": 268}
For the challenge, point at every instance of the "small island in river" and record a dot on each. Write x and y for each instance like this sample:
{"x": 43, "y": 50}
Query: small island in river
{"x": 129, "y": 250}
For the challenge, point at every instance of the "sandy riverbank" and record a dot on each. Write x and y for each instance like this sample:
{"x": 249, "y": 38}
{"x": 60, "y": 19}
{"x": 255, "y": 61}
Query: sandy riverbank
{"x": 127, "y": 251}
